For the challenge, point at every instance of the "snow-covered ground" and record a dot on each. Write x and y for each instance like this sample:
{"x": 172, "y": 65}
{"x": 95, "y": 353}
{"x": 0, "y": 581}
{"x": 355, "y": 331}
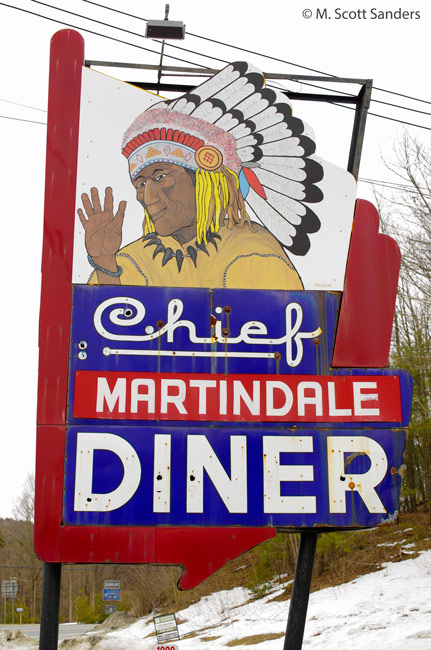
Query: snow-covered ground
{"x": 386, "y": 610}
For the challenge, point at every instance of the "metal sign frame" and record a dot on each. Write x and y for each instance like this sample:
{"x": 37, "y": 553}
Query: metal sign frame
{"x": 361, "y": 101}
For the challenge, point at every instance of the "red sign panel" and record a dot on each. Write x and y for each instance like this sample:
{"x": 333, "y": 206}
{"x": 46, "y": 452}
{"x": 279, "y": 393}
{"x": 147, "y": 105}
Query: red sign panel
{"x": 236, "y": 398}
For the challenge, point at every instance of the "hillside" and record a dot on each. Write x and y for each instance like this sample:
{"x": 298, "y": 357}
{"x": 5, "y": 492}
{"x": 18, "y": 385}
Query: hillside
{"x": 340, "y": 557}
{"x": 245, "y": 603}
{"x": 388, "y": 609}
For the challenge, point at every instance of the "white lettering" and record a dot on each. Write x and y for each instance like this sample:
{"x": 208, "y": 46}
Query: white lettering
{"x": 104, "y": 394}
{"x": 271, "y": 386}
{"x": 240, "y": 393}
{"x": 177, "y": 400}
{"x": 223, "y": 397}
{"x": 293, "y": 334}
{"x": 359, "y": 397}
{"x": 252, "y": 332}
{"x": 136, "y": 396}
{"x": 315, "y": 399}
{"x": 162, "y": 473}
{"x": 274, "y": 473}
{"x": 233, "y": 490}
{"x": 85, "y": 499}
{"x": 331, "y": 401}
{"x": 340, "y": 482}
{"x": 202, "y": 385}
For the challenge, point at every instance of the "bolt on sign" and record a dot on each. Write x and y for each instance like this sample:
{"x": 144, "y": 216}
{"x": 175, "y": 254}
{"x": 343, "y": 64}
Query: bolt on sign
{"x": 215, "y": 326}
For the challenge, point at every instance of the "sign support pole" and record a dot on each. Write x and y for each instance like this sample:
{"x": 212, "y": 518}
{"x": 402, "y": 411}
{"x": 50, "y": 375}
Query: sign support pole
{"x": 50, "y": 606}
{"x": 300, "y": 592}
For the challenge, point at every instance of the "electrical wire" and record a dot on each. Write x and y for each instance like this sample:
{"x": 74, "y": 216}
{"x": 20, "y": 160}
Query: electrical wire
{"x": 89, "y": 31}
{"x": 396, "y": 184}
{"x": 117, "y": 11}
{"x": 376, "y": 101}
{"x": 122, "y": 29}
{"x": 394, "y": 187}
{"x": 211, "y": 40}
{"x": 385, "y": 117}
{"x": 224, "y": 61}
{"x": 20, "y": 119}
{"x": 9, "y": 101}
{"x": 242, "y": 49}
{"x": 182, "y": 60}
{"x": 394, "y": 119}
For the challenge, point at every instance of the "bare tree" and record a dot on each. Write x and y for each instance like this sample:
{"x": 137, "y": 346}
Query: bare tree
{"x": 407, "y": 216}
{"x": 24, "y": 504}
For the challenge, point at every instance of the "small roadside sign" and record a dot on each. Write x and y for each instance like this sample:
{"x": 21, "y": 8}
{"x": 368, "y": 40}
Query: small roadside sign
{"x": 110, "y": 609}
{"x": 112, "y": 584}
{"x": 9, "y": 588}
{"x": 166, "y": 628}
{"x": 111, "y": 594}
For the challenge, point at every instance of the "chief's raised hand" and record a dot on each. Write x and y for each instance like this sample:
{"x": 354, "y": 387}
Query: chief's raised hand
{"x": 102, "y": 229}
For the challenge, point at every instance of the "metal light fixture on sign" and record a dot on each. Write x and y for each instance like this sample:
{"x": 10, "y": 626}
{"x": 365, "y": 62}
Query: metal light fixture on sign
{"x": 165, "y": 29}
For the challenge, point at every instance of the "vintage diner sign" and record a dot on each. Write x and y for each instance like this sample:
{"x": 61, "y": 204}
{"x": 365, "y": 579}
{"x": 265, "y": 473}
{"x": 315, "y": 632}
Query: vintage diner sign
{"x": 214, "y": 335}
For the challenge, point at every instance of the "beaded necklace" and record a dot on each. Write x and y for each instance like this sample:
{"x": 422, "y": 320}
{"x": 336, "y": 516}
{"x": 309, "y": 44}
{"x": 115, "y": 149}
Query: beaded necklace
{"x": 179, "y": 255}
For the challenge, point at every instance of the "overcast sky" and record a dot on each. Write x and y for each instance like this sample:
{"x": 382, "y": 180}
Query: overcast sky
{"x": 365, "y": 42}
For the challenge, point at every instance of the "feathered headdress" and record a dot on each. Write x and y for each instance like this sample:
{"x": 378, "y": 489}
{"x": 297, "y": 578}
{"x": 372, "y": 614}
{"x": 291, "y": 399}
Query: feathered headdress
{"x": 233, "y": 120}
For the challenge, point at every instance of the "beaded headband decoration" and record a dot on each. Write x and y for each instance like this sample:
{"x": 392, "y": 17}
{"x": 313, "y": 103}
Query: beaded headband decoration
{"x": 178, "y": 139}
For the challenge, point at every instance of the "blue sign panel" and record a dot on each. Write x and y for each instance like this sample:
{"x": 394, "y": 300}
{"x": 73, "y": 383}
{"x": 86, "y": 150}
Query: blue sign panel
{"x": 126, "y": 470}
{"x": 111, "y": 594}
{"x": 202, "y": 330}
{"x": 162, "y": 475}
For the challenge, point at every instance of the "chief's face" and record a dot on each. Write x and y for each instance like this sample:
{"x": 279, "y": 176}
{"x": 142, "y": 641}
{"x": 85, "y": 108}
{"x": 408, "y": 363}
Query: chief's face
{"x": 166, "y": 191}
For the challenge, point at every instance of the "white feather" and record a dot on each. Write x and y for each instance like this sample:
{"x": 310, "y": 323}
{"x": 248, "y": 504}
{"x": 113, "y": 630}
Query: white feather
{"x": 206, "y": 111}
{"x": 246, "y": 154}
{"x": 292, "y": 168}
{"x": 275, "y": 161}
{"x": 291, "y": 210}
{"x": 183, "y": 106}
{"x": 291, "y": 188}
{"x": 217, "y": 83}
{"x": 234, "y": 94}
{"x": 287, "y": 147}
{"x": 276, "y": 132}
{"x": 252, "y": 214}
{"x": 240, "y": 131}
{"x": 247, "y": 141}
{"x": 253, "y": 105}
{"x": 227, "y": 122}
{"x": 282, "y": 99}
{"x": 272, "y": 219}
{"x": 269, "y": 117}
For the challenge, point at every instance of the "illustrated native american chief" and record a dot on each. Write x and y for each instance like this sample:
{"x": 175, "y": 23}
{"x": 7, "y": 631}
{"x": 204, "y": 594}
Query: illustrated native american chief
{"x": 225, "y": 178}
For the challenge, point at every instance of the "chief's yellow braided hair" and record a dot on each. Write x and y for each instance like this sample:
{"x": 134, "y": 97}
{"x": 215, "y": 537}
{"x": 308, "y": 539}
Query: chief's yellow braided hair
{"x": 218, "y": 197}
